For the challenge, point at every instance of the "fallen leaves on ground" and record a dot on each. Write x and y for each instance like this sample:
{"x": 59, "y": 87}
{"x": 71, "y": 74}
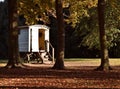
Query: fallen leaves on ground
{"x": 41, "y": 77}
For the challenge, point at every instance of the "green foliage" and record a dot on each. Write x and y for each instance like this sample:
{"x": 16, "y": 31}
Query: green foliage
{"x": 35, "y": 10}
{"x": 92, "y": 39}
{"x": 87, "y": 25}
{"x": 112, "y": 13}
{"x": 79, "y": 10}
{"x": 113, "y": 36}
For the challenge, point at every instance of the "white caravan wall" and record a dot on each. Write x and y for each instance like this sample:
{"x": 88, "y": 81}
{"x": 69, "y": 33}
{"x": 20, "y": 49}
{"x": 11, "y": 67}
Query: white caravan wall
{"x": 35, "y": 39}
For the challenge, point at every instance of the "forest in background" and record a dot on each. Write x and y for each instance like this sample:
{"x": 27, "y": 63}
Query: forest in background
{"x": 81, "y": 27}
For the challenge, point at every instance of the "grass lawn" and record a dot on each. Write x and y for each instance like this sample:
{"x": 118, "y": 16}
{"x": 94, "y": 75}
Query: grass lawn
{"x": 113, "y": 61}
{"x": 82, "y": 61}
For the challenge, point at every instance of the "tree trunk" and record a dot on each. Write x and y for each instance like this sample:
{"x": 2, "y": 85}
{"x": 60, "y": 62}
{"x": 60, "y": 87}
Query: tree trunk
{"x": 13, "y": 51}
{"x": 104, "y": 51}
{"x": 59, "y": 63}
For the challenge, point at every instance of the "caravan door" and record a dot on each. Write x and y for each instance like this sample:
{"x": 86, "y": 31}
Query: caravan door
{"x": 34, "y": 39}
{"x": 41, "y": 39}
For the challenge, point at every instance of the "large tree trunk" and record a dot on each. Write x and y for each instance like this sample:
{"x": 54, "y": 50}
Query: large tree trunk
{"x": 13, "y": 52}
{"x": 104, "y": 51}
{"x": 59, "y": 63}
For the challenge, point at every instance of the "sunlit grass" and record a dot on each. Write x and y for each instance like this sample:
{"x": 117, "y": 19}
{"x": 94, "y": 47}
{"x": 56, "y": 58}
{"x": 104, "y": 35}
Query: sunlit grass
{"x": 94, "y": 61}
{"x": 115, "y": 61}
{"x": 81, "y": 61}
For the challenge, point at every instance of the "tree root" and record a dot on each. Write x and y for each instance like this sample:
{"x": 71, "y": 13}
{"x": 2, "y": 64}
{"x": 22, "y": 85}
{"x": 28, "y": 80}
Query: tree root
{"x": 101, "y": 68}
{"x": 20, "y": 65}
{"x": 58, "y": 67}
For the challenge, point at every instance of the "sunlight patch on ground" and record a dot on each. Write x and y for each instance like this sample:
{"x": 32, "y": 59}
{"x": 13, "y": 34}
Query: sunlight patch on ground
{"x": 76, "y": 62}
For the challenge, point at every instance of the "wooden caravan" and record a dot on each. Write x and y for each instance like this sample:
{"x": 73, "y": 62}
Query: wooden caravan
{"x": 35, "y": 39}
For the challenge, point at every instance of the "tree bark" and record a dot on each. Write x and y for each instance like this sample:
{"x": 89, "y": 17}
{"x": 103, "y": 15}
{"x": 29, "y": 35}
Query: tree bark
{"x": 13, "y": 51}
{"x": 59, "y": 63}
{"x": 103, "y": 46}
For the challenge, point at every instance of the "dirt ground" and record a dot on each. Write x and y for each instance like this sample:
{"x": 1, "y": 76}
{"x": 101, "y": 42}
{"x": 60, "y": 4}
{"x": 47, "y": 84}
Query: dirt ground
{"x": 78, "y": 74}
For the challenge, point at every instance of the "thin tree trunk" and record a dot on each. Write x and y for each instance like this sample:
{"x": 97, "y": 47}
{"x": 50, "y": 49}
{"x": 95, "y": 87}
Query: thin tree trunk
{"x": 13, "y": 52}
{"x": 104, "y": 51}
{"x": 59, "y": 63}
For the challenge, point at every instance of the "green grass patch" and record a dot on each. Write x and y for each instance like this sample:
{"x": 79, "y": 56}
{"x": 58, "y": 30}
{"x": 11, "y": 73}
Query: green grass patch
{"x": 3, "y": 60}
{"x": 81, "y": 59}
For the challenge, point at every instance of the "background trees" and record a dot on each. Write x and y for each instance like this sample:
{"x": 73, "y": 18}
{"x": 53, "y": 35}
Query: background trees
{"x": 85, "y": 35}
{"x": 81, "y": 24}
